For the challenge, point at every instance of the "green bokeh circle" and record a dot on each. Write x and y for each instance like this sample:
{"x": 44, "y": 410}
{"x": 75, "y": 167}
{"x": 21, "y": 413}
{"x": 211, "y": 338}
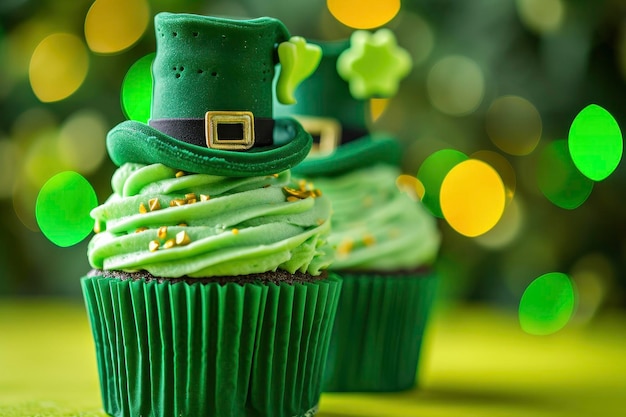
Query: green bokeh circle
{"x": 431, "y": 174}
{"x": 558, "y": 178}
{"x": 547, "y": 304}
{"x": 137, "y": 90}
{"x": 595, "y": 142}
{"x": 63, "y": 206}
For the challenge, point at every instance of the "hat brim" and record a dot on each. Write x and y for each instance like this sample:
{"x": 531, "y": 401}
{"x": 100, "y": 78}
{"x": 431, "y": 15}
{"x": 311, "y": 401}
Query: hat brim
{"x": 133, "y": 141}
{"x": 366, "y": 151}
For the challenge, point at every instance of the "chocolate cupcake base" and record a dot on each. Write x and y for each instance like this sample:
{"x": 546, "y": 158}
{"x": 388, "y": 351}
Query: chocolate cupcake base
{"x": 208, "y": 348}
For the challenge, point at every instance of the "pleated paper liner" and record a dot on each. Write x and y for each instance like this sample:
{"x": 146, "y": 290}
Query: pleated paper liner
{"x": 377, "y": 337}
{"x": 176, "y": 349}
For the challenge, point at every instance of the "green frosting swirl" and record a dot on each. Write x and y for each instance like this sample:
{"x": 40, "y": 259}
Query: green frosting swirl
{"x": 245, "y": 226}
{"x": 375, "y": 226}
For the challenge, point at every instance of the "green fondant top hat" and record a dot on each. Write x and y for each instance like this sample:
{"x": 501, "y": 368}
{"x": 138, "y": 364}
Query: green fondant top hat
{"x": 332, "y": 104}
{"x": 211, "y": 106}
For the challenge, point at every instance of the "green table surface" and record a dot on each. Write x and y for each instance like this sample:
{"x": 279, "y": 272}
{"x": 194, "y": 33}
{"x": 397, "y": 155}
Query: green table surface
{"x": 476, "y": 362}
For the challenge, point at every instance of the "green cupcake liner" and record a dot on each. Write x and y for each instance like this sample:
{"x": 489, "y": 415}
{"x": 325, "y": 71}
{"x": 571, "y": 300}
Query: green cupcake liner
{"x": 377, "y": 337}
{"x": 177, "y": 349}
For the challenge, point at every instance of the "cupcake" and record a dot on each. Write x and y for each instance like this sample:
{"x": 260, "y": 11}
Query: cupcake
{"x": 386, "y": 242}
{"x": 209, "y": 294}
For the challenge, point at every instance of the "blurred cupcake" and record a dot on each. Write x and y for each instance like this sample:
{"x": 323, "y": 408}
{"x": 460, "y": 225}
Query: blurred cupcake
{"x": 386, "y": 242}
{"x": 209, "y": 295}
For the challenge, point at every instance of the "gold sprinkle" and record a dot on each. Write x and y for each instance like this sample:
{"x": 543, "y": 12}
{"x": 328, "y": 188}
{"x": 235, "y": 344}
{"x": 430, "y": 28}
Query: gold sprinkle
{"x": 190, "y": 196}
{"x": 296, "y": 193}
{"x": 204, "y": 197}
{"x": 154, "y": 204}
{"x": 303, "y": 192}
{"x": 169, "y": 244}
{"x": 179, "y": 174}
{"x": 182, "y": 238}
{"x": 302, "y": 185}
{"x": 182, "y": 224}
{"x": 162, "y": 232}
{"x": 142, "y": 209}
{"x": 192, "y": 201}
{"x": 292, "y": 191}
{"x": 275, "y": 175}
{"x": 141, "y": 229}
{"x": 369, "y": 240}
{"x": 97, "y": 227}
{"x": 317, "y": 192}
{"x": 291, "y": 199}
{"x": 153, "y": 245}
{"x": 235, "y": 231}
{"x": 178, "y": 202}
{"x": 345, "y": 247}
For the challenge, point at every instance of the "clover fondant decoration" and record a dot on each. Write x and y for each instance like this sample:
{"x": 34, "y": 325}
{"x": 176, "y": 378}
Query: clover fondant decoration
{"x": 298, "y": 60}
{"x": 374, "y": 64}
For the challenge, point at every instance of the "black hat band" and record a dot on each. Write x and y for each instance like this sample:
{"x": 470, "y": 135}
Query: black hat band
{"x": 220, "y": 130}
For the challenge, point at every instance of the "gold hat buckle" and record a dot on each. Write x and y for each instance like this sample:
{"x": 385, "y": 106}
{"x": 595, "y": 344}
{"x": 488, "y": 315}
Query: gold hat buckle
{"x": 327, "y": 128}
{"x": 214, "y": 119}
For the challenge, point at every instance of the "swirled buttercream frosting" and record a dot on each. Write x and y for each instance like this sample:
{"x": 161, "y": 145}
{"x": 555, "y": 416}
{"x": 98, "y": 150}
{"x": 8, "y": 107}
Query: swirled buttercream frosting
{"x": 375, "y": 225}
{"x": 173, "y": 224}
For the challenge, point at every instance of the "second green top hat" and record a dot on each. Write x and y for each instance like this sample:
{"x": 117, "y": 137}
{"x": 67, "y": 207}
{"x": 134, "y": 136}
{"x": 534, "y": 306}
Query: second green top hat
{"x": 326, "y": 106}
{"x": 211, "y": 106}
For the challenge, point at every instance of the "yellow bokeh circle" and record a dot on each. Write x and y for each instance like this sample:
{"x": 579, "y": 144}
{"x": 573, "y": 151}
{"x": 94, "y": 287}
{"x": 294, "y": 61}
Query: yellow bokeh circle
{"x": 58, "y": 67}
{"x": 514, "y": 125}
{"x": 417, "y": 36}
{"x": 508, "y": 229}
{"x": 542, "y": 16}
{"x": 456, "y": 85}
{"x": 472, "y": 197}
{"x": 363, "y": 14}
{"x": 83, "y": 152}
{"x": 111, "y": 26}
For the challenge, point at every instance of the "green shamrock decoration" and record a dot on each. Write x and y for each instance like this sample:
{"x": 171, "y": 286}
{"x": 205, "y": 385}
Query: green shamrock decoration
{"x": 374, "y": 64}
{"x": 298, "y": 60}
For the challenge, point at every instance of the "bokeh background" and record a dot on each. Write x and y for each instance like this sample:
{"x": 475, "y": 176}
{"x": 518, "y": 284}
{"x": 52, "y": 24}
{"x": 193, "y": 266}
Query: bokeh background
{"x": 505, "y": 78}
